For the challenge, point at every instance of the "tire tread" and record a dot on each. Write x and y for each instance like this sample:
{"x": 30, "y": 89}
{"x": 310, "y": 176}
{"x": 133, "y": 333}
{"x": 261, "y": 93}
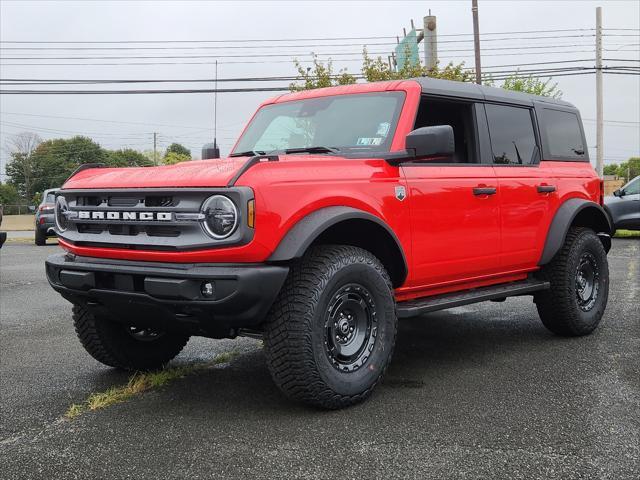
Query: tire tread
{"x": 288, "y": 341}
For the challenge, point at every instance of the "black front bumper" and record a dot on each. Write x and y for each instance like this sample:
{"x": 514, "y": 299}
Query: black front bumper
{"x": 169, "y": 296}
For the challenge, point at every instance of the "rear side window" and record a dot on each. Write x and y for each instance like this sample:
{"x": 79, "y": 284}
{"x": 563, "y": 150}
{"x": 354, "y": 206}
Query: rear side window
{"x": 513, "y": 139}
{"x": 564, "y": 136}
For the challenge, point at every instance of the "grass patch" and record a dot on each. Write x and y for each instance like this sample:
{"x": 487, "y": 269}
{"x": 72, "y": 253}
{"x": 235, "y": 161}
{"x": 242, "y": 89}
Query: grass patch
{"x": 141, "y": 382}
{"x": 627, "y": 234}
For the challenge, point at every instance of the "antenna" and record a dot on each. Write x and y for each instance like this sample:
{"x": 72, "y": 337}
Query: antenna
{"x": 211, "y": 150}
{"x": 215, "y": 109}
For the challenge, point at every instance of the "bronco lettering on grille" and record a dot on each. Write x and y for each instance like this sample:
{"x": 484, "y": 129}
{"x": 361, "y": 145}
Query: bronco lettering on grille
{"x": 111, "y": 215}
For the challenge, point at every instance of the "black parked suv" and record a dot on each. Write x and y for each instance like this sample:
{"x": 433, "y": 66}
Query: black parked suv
{"x": 44, "y": 217}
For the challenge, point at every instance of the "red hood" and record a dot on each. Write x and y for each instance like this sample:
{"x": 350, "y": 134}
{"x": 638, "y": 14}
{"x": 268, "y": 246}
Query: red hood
{"x": 201, "y": 173}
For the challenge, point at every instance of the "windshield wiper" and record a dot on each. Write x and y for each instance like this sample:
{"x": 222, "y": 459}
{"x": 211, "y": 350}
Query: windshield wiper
{"x": 312, "y": 150}
{"x": 248, "y": 153}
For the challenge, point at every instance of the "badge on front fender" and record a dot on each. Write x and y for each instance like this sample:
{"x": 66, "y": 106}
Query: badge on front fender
{"x": 401, "y": 193}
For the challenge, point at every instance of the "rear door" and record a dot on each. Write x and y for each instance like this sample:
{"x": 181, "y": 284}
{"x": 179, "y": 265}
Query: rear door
{"x": 527, "y": 191}
{"x": 453, "y": 203}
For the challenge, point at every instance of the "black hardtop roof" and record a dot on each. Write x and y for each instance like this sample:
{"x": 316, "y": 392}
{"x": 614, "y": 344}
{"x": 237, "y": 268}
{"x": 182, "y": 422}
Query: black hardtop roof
{"x": 450, "y": 88}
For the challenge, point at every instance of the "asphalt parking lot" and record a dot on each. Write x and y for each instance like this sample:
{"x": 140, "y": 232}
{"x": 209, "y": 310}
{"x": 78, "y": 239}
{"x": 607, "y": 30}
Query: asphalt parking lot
{"x": 475, "y": 392}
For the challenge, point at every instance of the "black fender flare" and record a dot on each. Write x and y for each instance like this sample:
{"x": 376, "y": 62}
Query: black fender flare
{"x": 298, "y": 239}
{"x": 564, "y": 218}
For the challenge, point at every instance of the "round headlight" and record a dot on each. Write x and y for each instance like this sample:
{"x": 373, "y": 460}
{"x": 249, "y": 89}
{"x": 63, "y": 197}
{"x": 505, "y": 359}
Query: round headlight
{"x": 220, "y": 216}
{"x": 61, "y": 209}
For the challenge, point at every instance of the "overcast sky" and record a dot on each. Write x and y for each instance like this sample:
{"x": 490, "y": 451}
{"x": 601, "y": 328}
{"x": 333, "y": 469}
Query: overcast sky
{"x": 129, "y": 120}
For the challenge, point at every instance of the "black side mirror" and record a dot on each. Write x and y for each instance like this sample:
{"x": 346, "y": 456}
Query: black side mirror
{"x": 436, "y": 141}
{"x": 619, "y": 193}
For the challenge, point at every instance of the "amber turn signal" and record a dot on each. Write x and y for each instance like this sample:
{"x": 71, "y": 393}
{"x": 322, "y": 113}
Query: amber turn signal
{"x": 251, "y": 213}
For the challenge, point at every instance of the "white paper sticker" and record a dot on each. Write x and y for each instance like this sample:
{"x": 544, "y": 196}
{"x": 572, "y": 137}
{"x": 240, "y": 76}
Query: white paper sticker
{"x": 369, "y": 141}
{"x": 383, "y": 129}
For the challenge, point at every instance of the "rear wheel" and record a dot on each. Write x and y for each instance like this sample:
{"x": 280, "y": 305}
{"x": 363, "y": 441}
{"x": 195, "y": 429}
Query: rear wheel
{"x": 330, "y": 334}
{"x": 579, "y": 276}
{"x": 41, "y": 237}
{"x": 126, "y": 347}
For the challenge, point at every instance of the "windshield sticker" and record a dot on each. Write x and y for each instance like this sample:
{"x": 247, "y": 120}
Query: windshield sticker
{"x": 369, "y": 141}
{"x": 383, "y": 129}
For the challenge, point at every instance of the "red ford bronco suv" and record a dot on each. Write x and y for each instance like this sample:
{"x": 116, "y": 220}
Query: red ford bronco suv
{"x": 340, "y": 211}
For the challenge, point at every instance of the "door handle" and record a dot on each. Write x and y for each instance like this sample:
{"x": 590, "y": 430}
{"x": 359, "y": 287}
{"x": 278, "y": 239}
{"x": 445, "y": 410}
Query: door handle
{"x": 484, "y": 191}
{"x": 546, "y": 188}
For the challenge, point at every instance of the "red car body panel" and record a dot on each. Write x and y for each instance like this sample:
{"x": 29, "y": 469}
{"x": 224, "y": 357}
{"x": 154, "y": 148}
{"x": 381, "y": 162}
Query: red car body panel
{"x": 452, "y": 239}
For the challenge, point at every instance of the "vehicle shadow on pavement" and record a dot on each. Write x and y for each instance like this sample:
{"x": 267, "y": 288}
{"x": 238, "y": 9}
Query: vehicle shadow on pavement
{"x": 428, "y": 349}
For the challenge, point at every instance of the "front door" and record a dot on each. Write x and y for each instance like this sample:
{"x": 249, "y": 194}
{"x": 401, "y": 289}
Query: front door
{"x": 454, "y": 206}
{"x": 455, "y": 223}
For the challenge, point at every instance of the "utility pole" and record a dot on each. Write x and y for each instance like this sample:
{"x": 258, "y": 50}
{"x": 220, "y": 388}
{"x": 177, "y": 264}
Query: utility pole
{"x": 599, "y": 113}
{"x": 155, "y": 152}
{"x": 211, "y": 150}
{"x": 430, "y": 34}
{"x": 476, "y": 40}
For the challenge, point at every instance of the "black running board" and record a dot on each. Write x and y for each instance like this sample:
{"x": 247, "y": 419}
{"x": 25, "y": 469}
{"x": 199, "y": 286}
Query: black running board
{"x": 413, "y": 308}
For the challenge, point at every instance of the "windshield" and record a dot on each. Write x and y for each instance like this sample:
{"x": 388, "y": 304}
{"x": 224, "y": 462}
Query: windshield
{"x": 360, "y": 122}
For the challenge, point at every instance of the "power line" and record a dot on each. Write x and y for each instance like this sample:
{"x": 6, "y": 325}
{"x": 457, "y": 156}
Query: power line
{"x": 30, "y": 81}
{"x": 269, "y": 55}
{"x": 291, "y": 78}
{"x": 279, "y": 46}
{"x": 146, "y": 91}
{"x": 103, "y": 120}
{"x": 271, "y": 61}
{"x": 531, "y": 73}
{"x": 258, "y": 40}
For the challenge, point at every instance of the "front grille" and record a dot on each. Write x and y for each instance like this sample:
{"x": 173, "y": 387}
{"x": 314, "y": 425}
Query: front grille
{"x": 124, "y": 201}
{"x": 147, "y": 219}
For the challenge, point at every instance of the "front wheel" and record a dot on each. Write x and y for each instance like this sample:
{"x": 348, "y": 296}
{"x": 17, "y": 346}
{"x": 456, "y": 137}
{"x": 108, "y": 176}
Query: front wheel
{"x": 122, "y": 346}
{"x": 579, "y": 276}
{"x": 331, "y": 332}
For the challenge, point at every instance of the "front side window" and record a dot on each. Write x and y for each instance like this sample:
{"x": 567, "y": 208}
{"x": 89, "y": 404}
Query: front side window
{"x": 513, "y": 139}
{"x": 360, "y": 122}
{"x": 457, "y": 114}
{"x": 563, "y": 134}
{"x": 633, "y": 187}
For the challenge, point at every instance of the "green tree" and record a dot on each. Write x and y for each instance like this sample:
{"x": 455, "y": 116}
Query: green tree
{"x": 376, "y": 70}
{"x": 171, "y": 158}
{"x": 319, "y": 76}
{"x": 37, "y": 198}
{"x": 611, "y": 169}
{"x": 529, "y": 84}
{"x": 373, "y": 70}
{"x": 127, "y": 157}
{"x": 179, "y": 149}
{"x": 629, "y": 169}
{"x": 20, "y": 147}
{"x": 8, "y": 194}
{"x": 51, "y": 162}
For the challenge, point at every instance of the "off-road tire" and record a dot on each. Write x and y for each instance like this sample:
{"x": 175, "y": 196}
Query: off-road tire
{"x": 110, "y": 343}
{"x": 296, "y": 330}
{"x": 560, "y": 306}
{"x": 41, "y": 237}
